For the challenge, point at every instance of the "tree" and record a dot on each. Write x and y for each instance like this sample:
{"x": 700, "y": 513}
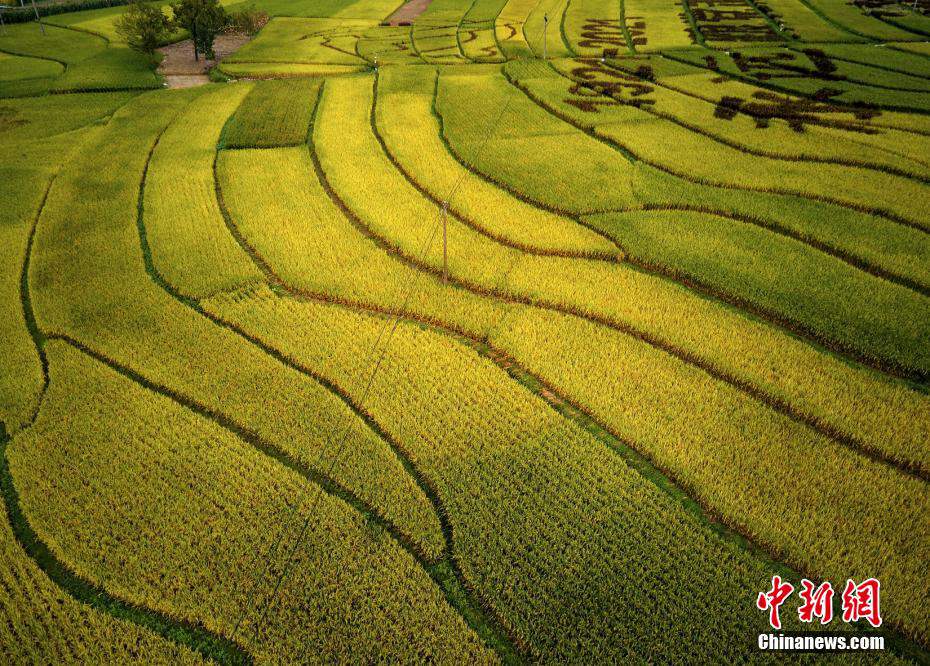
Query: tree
{"x": 144, "y": 26}
{"x": 203, "y": 19}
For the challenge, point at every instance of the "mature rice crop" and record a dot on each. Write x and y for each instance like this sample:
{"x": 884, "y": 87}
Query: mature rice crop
{"x": 511, "y": 28}
{"x": 43, "y": 624}
{"x": 56, "y": 44}
{"x": 19, "y": 70}
{"x": 795, "y": 73}
{"x": 185, "y": 228}
{"x": 305, "y": 40}
{"x": 779, "y": 275}
{"x": 492, "y": 331}
{"x": 663, "y": 25}
{"x": 900, "y": 197}
{"x": 274, "y": 113}
{"x": 534, "y": 277}
{"x": 284, "y": 70}
{"x": 194, "y": 504}
{"x": 593, "y": 28}
{"x": 405, "y": 100}
{"x": 852, "y": 19}
{"x": 536, "y": 538}
{"x": 291, "y": 413}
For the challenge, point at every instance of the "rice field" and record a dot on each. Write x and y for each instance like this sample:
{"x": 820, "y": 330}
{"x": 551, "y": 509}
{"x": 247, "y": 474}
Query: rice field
{"x": 509, "y": 331}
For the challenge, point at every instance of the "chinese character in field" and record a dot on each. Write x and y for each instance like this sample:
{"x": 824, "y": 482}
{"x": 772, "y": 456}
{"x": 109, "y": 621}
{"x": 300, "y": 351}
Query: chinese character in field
{"x": 818, "y": 602}
{"x": 860, "y": 602}
{"x": 774, "y": 598}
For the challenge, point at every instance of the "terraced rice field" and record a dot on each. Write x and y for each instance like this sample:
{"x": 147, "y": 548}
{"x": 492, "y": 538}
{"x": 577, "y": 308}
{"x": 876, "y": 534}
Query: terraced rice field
{"x": 518, "y": 331}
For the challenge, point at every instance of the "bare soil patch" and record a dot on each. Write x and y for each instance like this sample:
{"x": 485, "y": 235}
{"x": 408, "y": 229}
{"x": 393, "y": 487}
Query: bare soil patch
{"x": 407, "y": 12}
{"x": 181, "y": 70}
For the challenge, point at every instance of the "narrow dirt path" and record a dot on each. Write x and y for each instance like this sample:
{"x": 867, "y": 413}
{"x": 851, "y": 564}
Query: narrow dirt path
{"x": 181, "y": 70}
{"x": 407, "y": 12}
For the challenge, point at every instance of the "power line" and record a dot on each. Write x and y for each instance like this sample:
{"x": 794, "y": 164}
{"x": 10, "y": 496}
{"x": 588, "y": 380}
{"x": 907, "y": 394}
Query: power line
{"x": 412, "y": 284}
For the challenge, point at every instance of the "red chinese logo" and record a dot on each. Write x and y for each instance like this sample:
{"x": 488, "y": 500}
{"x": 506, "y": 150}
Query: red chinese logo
{"x": 818, "y": 602}
{"x": 861, "y": 602}
{"x": 774, "y": 598}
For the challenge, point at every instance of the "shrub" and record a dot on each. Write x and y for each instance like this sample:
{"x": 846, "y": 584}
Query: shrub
{"x": 144, "y": 26}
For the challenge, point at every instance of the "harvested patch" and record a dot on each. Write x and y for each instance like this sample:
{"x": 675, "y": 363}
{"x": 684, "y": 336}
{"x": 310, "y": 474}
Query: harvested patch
{"x": 408, "y": 12}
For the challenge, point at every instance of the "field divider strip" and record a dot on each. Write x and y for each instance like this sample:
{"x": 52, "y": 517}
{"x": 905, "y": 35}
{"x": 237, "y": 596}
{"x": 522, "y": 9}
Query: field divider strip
{"x": 471, "y": 224}
{"x": 768, "y": 85}
{"x": 634, "y": 157}
{"x": 884, "y": 365}
{"x": 697, "y": 37}
{"x": 576, "y": 412}
{"x": 192, "y": 635}
{"x": 493, "y": 630}
{"x": 758, "y": 395}
{"x": 804, "y": 159}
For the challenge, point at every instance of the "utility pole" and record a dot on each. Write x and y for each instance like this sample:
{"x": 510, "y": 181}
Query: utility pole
{"x": 445, "y": 243}
{"x": 36, "y": 10}
{"x": 545, "y": 35}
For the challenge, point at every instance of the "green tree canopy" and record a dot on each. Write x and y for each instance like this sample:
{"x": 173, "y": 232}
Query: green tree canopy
{"x": 203, "y": 19}
{"x": 144, "y": 26}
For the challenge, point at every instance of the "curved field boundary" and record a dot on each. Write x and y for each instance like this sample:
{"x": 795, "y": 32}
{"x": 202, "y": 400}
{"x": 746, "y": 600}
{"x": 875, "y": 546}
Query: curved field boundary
{"x": 445, "y": 572}
{"x": 194, "y": 636}
{"x": 881, "y": 364}
{"x": 32, "y": 55}
{"x": 99, "y": 35}
{"x": 768, "y": 85}
{"x": 745, "y": 387}
{"x": 810, "y": 159}
{"x": 568, "y": 409}
{"x": 28, "y": 313}
{"x": 625, "y": 29}
{"x": 209, "y": 645}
